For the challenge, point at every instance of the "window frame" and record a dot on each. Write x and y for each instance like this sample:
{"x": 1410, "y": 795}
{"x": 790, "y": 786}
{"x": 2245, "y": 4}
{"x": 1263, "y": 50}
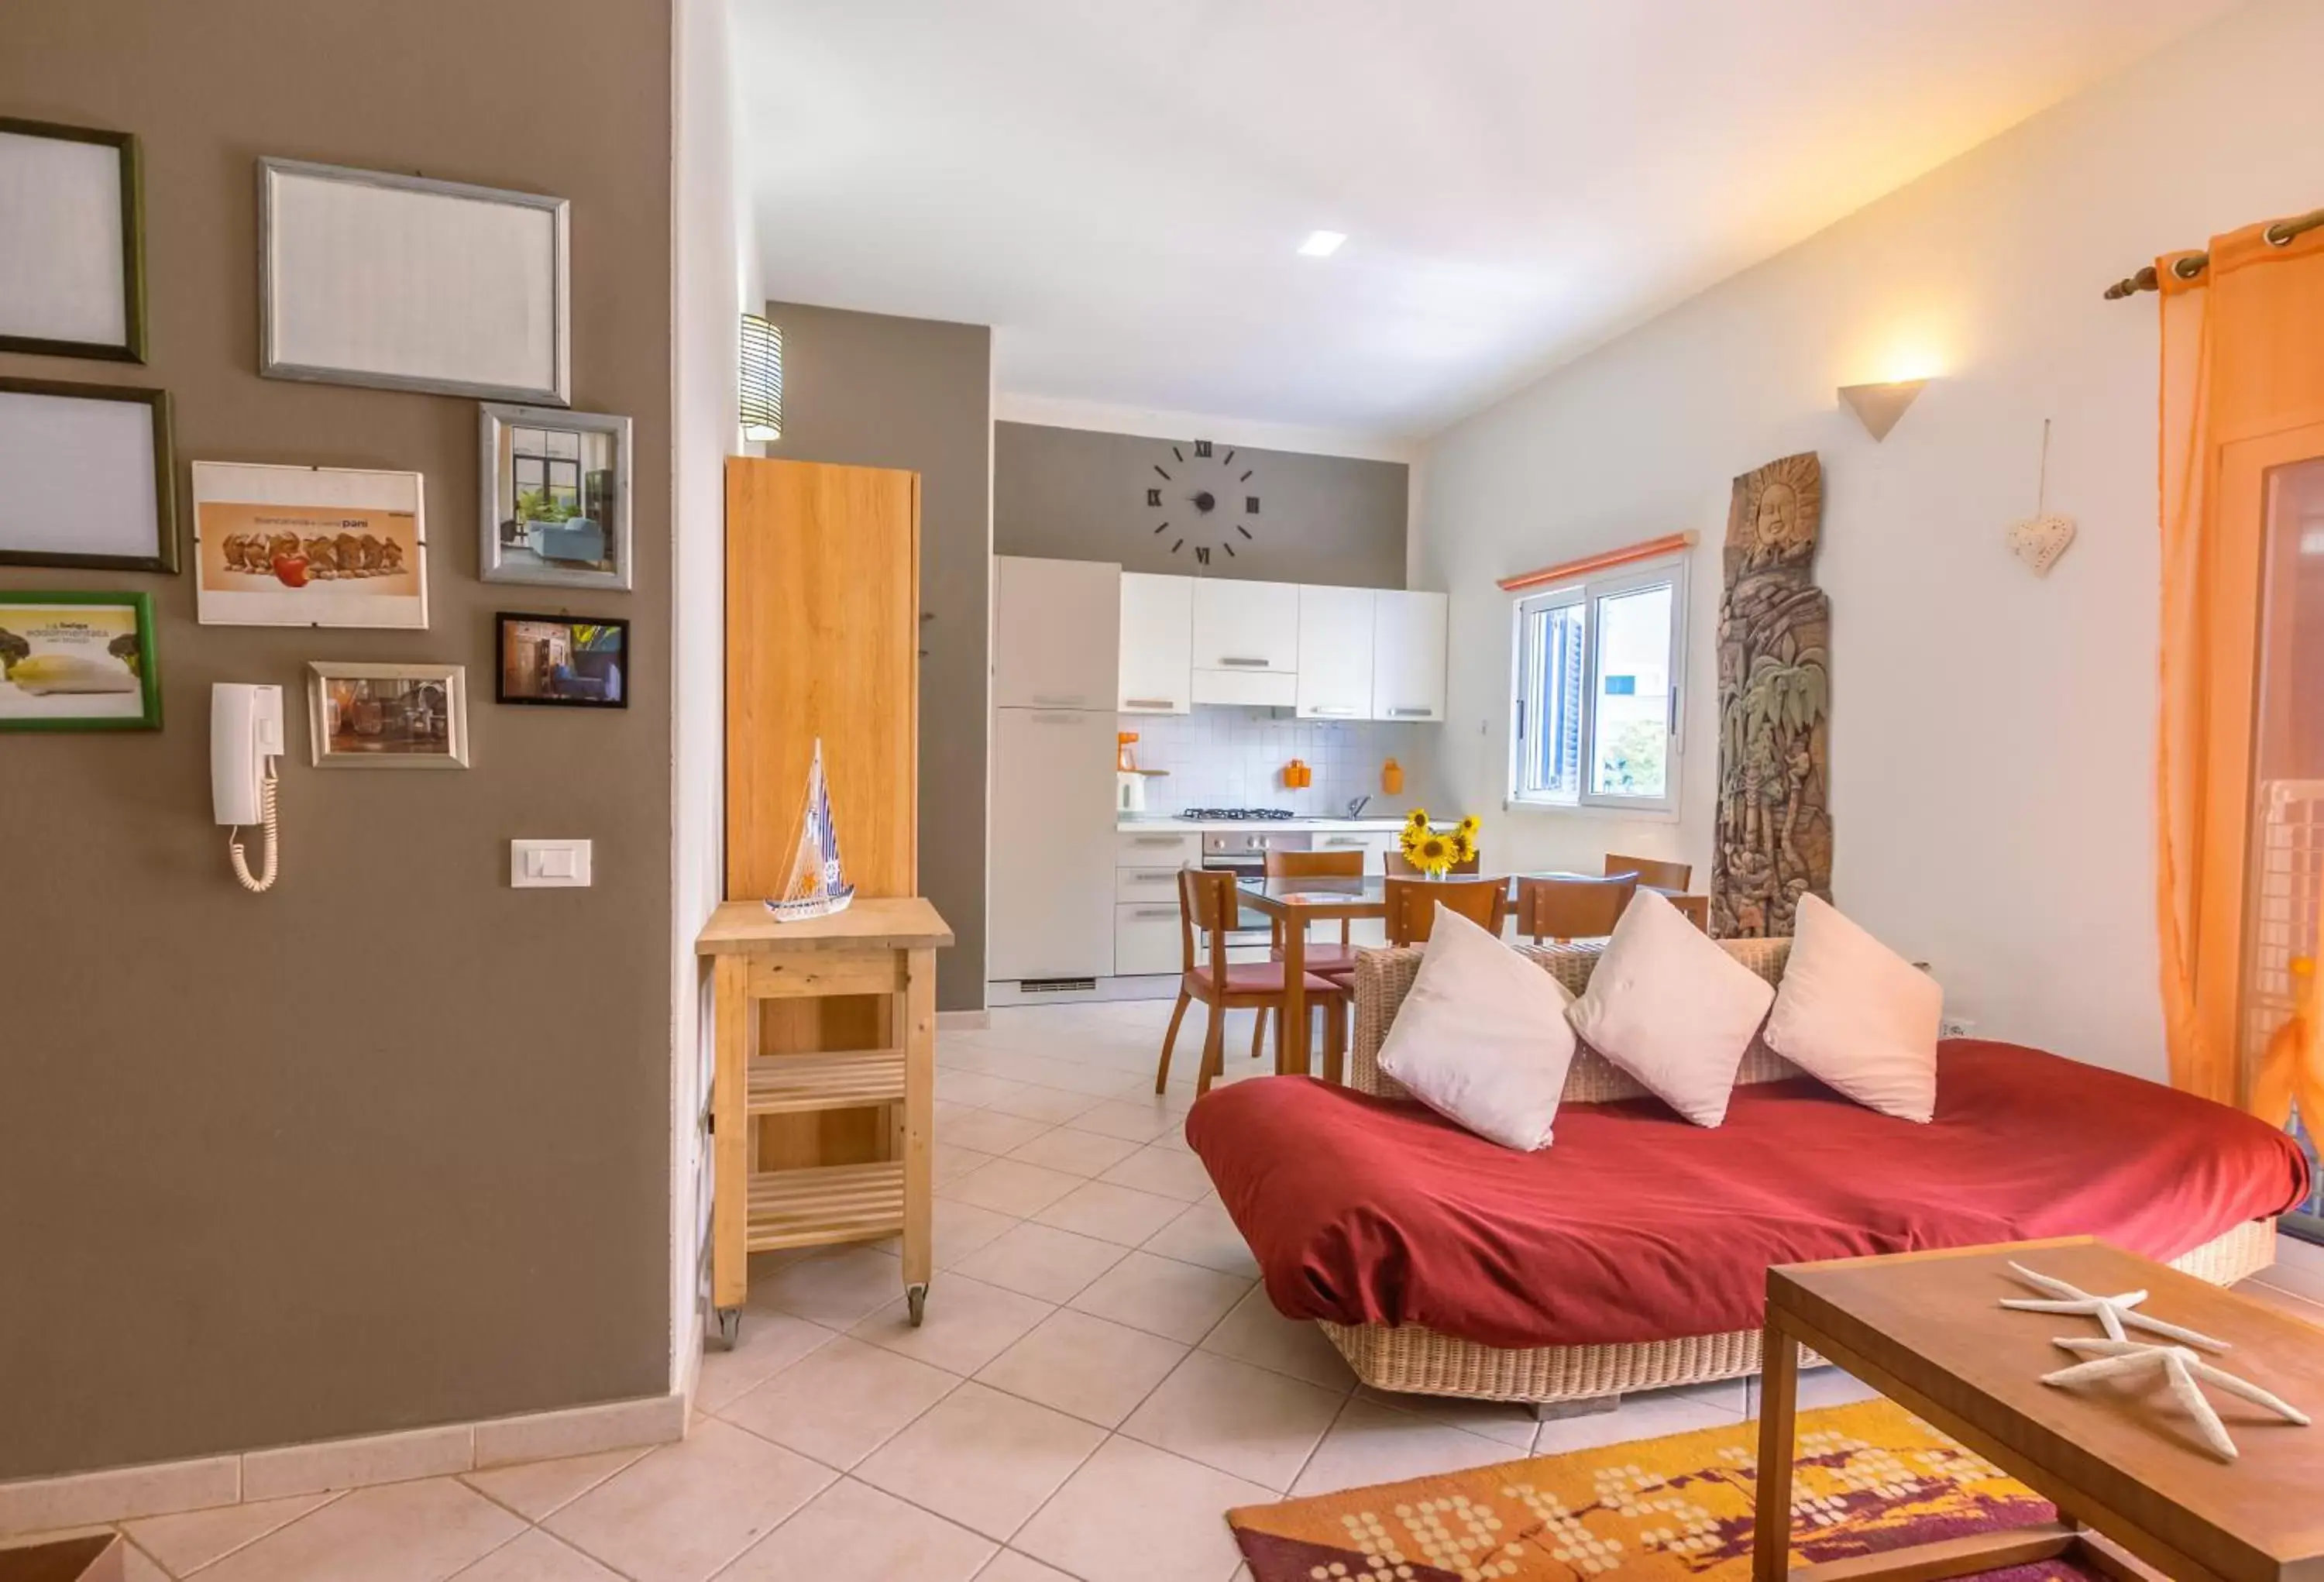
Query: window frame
{"x": 1587, "y": 593}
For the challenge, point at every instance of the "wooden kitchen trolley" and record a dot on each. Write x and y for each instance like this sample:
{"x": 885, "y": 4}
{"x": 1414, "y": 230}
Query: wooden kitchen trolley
{"x": 831, "y": 1143}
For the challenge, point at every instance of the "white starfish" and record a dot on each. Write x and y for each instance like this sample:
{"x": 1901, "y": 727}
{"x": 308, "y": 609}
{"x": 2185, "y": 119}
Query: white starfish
{"x": 2114, "y": 1313}
{"x": 2182, "y": 1368}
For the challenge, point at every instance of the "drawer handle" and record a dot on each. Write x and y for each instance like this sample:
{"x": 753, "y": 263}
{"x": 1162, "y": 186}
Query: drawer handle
{"x": 1059, "y": 701}
{"x": 1320, "y": 709}
{"x": 1410, "y": 713}
{"x": 1155, "y": 839}
{"x": 1154, "y": 876}
{"x": 1149, "y": 703}
{"x": 1345, "y": 840}
{"x": 1249, "y": 663}
{"x": 1038, "y": 717}
{"x": 1153, "y": 912}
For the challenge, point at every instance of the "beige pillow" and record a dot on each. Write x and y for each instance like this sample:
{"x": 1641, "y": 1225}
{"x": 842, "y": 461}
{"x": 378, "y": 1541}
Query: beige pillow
{"x": 1858, "y": 1016}
{"x": 1666, "y": 1004}
{"x": 1482, "y": 1037}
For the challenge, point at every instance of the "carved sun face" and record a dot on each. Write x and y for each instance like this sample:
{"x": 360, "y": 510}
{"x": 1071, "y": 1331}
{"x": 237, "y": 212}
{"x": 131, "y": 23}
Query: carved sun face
{"x": 1778, "y": 520}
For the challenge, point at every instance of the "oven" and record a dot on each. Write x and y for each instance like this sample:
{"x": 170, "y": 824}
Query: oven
{"x": 1243, "y": 853}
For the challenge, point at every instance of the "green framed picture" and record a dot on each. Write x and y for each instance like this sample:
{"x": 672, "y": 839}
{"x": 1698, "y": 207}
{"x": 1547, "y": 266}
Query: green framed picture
{"x": 78, "y": 661}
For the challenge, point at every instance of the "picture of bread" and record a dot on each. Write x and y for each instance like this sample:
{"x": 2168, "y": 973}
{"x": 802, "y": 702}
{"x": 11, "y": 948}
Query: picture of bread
{"x": 322, "y": 554}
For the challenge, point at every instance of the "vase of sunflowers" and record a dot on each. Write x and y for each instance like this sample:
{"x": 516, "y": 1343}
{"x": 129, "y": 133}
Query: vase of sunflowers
{"x": 1435, "y": 852}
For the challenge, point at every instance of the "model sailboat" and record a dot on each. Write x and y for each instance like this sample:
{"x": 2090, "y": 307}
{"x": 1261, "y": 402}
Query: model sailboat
{"x": 819, "y": 885}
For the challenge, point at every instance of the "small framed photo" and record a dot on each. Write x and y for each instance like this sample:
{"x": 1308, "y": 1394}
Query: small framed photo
{"x": 308, "y": 546}
{"x": 556, "y": 506}
{"x": 388, "y": 716}
{"x": 77, "y": 661}
{"x": 78, "y": 287}
{"x": 567, "y": 662}
{"x": 87, "y": 477}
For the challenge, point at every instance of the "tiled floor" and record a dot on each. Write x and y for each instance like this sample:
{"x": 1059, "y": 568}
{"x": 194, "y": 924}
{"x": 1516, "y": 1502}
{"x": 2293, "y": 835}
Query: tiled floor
{"x": 1099, "y": 1378}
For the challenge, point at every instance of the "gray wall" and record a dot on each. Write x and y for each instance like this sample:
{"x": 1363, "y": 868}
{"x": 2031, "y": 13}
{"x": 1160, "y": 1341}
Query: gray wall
{"x": 388, "y": 1145}
{"x": 871, "y": 390}
{"x": 1076, "y": 494}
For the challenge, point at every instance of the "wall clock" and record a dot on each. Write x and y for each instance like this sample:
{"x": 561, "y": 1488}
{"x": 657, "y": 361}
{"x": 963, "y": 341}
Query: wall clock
{"x": 1205, "y": 501}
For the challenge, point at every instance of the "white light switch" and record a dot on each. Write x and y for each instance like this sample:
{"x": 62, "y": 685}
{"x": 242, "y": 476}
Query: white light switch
{"x": 549, "y": 865}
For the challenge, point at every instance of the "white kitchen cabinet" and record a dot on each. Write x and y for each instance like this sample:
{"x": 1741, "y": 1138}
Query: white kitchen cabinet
{"x": 1246, "y": 642}
{"x": 1050, "y": 894}
{"x": 1158, "y": 644}
{"x": 1408, "y": 655}
{"x": 1335, "y": 653}
{"x": 1145, "y": 939}
{"x": 1056, "y": 635}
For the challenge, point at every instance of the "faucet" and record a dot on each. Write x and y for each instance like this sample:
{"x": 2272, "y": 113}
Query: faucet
{"x": 1356, "y": 806}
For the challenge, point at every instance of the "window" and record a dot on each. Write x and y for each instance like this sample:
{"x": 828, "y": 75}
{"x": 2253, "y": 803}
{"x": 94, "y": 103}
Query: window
{"x": 1594, "y": 712}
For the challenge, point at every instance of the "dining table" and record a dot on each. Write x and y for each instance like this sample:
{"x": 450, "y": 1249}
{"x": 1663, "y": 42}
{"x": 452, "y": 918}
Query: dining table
{"x": 1297, "y": 900}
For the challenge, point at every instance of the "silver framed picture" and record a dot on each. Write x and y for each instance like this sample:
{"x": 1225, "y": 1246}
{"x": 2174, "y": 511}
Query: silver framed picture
{"x": 554, "y": 509}
{"x": 366, "y": 277}
{"x": 387, "y": 716}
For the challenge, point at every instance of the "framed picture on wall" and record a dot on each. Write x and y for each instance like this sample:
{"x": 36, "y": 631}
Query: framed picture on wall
{"x": 367, "y": 277}
{"x": 87, "y": 477}
{"x": 565, "y": 661}
{"x": 555, "y": 509}
{"x": 387, "y": 716}
{"x": 77, "y": 661}
{"x": 72, "y": 200}
{"x": 308, "y": 546}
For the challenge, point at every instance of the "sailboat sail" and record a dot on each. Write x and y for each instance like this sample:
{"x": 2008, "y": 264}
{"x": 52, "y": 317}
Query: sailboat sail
{"x": 818, "y": 884}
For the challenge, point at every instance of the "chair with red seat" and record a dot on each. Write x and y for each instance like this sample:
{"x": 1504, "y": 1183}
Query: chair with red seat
{"x": 1208, "y": 906}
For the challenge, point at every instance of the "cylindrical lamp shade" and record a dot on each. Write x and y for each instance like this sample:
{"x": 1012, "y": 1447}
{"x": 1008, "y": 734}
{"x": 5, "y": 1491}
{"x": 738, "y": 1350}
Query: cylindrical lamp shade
{"x": 762, "y": 379}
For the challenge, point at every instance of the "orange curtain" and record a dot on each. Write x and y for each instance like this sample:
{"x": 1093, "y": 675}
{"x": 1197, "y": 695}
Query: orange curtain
{"x": 2242, "y": 391}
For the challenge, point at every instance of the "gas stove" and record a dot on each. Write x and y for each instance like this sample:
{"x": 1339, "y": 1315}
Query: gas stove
{"x": 1237, "y": 815}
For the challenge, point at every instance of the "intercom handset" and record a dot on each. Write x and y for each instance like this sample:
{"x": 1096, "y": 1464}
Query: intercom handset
{"x": 246, "y": 738}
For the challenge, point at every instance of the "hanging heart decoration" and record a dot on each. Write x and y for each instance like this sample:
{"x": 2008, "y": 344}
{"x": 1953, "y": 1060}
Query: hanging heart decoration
{"x": 2039, "y": 540}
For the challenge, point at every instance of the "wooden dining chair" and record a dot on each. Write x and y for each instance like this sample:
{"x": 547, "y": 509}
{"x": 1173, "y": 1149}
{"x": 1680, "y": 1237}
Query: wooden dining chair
{"x": 1572, "y": 908}
{"x": 1318, "y": 865}
{"x": 1397, "y": 865}
{"x": 1207, "y": 909}
{"x": 1652, "y": 872}
{"x": 1412, "y": 905}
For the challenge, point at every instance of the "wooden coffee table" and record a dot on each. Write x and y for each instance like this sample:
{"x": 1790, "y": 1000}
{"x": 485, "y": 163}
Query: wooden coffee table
{"x": 2131, "y": 1481}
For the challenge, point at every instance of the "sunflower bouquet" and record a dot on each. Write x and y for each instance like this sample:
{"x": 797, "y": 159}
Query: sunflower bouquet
{"x": 1434, "y": 852}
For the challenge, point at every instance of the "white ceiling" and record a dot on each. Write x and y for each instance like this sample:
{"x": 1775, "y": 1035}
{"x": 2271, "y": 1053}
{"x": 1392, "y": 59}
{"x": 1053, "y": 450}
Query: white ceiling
{"x": 1118, "y": 187}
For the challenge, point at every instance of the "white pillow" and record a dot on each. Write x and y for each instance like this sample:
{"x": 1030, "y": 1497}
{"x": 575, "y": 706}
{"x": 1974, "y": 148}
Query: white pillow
{"x": 1481, "y": 1038}
{"x": 1666, "y": 1004}
{"x": 1858, "y": 1016}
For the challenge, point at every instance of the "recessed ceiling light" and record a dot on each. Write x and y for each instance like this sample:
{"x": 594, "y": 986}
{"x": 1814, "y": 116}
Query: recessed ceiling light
{"x": 1321, "y": 243}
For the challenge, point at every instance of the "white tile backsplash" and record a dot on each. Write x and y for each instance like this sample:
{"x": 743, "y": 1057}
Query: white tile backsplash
{"x": 1234, "y": 758}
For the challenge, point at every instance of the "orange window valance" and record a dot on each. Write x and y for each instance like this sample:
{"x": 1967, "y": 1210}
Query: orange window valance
{"x": 1590, "y": 565}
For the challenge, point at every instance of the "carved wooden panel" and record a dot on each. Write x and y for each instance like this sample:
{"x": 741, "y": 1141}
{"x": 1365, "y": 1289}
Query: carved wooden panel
{"x": 1773, "y": 837}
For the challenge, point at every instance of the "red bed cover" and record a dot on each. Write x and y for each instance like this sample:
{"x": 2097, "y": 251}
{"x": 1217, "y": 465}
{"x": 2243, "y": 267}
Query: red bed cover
{"x": 1635, "y": 1224}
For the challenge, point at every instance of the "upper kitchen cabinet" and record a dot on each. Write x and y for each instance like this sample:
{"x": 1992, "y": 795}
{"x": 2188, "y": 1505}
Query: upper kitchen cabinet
{"x": 1158, "y": 644}
{"x": 1408, "y": 655}
{"x": 1246, "y": 643}
{"x": 1057, "y": 634}
{"x": 1335, "y": 653}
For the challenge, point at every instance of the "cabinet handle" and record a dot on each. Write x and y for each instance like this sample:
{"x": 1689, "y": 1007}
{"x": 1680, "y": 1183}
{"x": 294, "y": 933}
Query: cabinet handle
{"x": 1410, "y": 713}
{"x": 1040, "y": 718}
{"x": 1320, "y": 709}
{"x": 1154, "y": 840}
{"x": 1059, "y": 701}
{"x": 1149, "y": 703}
{"x": 1248, "y": 663}
{"x": 1155, "y": 876}
{"x": 1151, "y": 912}
{"x": 1345, "y": 840}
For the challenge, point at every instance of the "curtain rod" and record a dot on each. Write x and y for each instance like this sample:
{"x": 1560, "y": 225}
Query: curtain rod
{"x": 2279, "y": 234}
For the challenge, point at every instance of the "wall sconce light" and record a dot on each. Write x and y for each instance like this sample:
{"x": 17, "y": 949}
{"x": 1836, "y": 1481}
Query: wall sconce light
{"x": 761, "y": 400}
{"x": 1878, "y": 406}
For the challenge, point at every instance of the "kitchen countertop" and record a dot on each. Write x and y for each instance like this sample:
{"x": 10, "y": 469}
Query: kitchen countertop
{"x": 1158, "y": 824}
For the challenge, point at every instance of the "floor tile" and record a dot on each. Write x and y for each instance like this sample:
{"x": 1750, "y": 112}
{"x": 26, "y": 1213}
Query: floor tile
{"x": 137, "y": 1565}
{"x": 1371, "y": 1443}
{"x": 842, "y": 1402}
{"x": 1008, "y": 1565}
{"x": 1133, "y": 1123}
{"x": 1511, "y": 1423}
{"x": 1165, "y": 1172}
{"x": 1823, "y": 1386}
{"x": 769, "y": 1341}
{"x": 687, "y": 1509}
{"x": 1010, "y": 1186}
{"x": 1256, "y": 1333}
{"x": 1256, "y": 1425}
{"x": 968, "y": 1323}
{"x": 195, "y": 1537}
{"x": 1639, "y": 1417}
{"x": 958, "y": 1229}
{"x": 533, "y": 1489}
{"x": 1183, "y": 1301}
{"x": 1205, "y": 1234}
{"x": 1053, "y": 1104}
{"x": 853, "y": 1530}
{"x": 1041, "y": 1261}
{"x": 973, "y": 1087}
{"x": 950, "y": 1162}
{"x": 1133, "y": 1513}
{"x": 990, "y": 1131}
{"x": 2282, "y": 1301}
{"x": 396, "y": 1533}
{"x": 1111, "y": 1213}
{"x": 1088, "y": 1366}
{"x": 536, "y": 1556}
{"x": 1077, "y": 1153}
{"x": 834, "y": 1288}
{"x": 982, "y": 1458}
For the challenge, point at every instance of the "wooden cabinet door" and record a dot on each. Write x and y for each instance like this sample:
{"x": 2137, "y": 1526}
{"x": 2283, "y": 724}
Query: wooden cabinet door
{"x": 1408, "y": 656}
{"x": 1057, "y": 633}
{"x": 822, "y": 641}
{"x": 1335, "y": 653}
{"x": 1158, "y": 644}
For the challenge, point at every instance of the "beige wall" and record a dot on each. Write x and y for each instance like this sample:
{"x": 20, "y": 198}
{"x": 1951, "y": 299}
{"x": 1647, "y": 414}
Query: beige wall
{"x": 871, "y": 390}
{"x": 389, "y": 1145}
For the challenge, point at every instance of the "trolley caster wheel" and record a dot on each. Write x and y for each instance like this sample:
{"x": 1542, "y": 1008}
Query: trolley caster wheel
{"x": 729, "y": 1327}
{"x": 915, "y": 1303}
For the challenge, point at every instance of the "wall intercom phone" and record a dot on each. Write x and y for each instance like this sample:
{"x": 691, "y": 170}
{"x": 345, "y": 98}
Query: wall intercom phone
{"x": 246, "y": 738}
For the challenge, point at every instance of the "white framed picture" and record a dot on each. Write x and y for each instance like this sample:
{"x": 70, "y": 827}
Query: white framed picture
{"x": 555, "y": 505}
{"x": 72, "y": 242}
{"x": 87, "y": 476}
{"x": 387, "y": 716}
{"x": 366, "y": 277}
{"x": 308, "y": 546}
